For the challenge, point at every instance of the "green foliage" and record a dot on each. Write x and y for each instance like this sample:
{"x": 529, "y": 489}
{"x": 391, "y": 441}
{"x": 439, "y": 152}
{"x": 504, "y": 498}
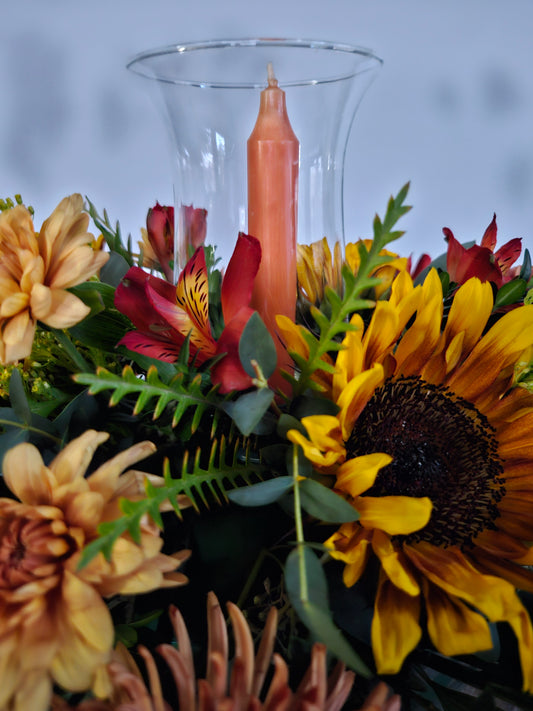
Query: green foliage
{"x": 308, "y": 592}
{"x": 510, "y": 293}
{"x": 8, "y": 203}
{"x": 112, "y": 234}
{"x": 200, "y": 484}
{"x": 334, "y": 325}
{"x": 178, "y": 391}
{"x": 256, "y": 346}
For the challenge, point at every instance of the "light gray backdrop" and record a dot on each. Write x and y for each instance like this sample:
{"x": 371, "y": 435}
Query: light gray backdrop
{"x": 452, "y": 109}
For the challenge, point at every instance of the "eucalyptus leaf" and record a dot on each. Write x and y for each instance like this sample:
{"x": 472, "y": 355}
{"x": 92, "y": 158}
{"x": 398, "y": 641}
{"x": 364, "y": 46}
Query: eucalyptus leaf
{"x": 305, "y": 579}
{"x": 324, "y": 504}
{"x": 114, "y": 270}
{"x": 307, "y": 589}
{"x": 303, "y": 465}
{"x": 266, "y": 492}
{"x": 249, "y": 408}
{"x": 288, "y": 422}
{"x": 256, "y": 344}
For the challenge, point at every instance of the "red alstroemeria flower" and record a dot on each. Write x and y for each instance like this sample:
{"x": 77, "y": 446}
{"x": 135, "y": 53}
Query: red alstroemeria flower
{"x": 481, "y": 260}
{"x": 160, "y": 232}
{"x": 160, "y": 228}
{"x": 165, "y": 315}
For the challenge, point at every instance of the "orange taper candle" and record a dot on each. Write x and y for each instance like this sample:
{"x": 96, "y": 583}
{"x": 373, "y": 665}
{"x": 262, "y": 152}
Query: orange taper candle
{"x": 273, "y": 162}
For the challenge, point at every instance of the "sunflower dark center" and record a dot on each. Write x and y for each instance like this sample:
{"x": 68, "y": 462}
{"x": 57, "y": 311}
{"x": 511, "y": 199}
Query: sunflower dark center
{"x": 442, "y": 448}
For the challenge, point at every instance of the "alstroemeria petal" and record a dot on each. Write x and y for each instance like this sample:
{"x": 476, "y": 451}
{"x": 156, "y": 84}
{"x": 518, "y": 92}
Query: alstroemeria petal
{"x": 228, "y": 371}
{"x": 238, "y": 281}
{"x": 192, "y": 293}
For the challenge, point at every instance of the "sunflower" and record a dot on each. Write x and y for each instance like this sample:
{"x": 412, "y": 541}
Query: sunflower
{"x": 319, "y": 268}
{"x": 433, "y": 445}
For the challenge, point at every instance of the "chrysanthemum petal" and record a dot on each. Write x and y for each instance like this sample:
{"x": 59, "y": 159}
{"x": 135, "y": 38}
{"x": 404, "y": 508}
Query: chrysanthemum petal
{"x": 454, "y": 627}
{"x": 14, "y": 304}
{"x": 26, "y": 475}
{"x": 396, "y": 515}
{"x": 57, "y": 308}
{"x": 395, "y": 628}
{"x": 72, "y": 462}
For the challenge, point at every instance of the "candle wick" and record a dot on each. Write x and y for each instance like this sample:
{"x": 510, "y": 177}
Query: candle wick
{"x": 272, "y": 81}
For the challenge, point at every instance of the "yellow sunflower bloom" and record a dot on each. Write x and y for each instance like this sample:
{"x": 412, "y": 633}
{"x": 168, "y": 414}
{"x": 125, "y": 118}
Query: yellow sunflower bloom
{"x": 54, "y": 624}
{"x": 319, "y": 267}
{"x": 37, "y": 269}
{"x": 433, "y": 445}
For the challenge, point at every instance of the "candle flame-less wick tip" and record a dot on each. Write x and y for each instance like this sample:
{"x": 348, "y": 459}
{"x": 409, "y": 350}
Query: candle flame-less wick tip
{"x": 272, "y": 81}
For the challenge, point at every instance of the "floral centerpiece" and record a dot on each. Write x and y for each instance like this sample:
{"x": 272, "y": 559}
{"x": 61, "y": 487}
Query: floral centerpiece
{"x": 376, "y": 509}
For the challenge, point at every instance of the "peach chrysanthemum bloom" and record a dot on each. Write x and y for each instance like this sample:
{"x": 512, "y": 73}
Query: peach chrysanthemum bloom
{"x": 54, "y": 625}
{"x": 236, "y": 685}
{"x": 37, "y": 269}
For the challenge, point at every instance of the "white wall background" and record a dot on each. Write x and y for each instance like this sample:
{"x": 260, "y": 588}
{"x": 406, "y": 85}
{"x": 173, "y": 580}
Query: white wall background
{"x": 451, "y": 110}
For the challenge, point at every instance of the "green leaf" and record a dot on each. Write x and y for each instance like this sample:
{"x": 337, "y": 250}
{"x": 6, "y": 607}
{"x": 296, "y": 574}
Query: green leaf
{"x": 288, "y": 422}
{"x": 525, "y": 271}
{"x": 256, "y": 344}
{"x": 307, "y": 589}
{"x": 266, "y": 492}
{"x": 114, "y": 270}
{"x": 18, "y": 399}
{"x": 249, "y": 408}
{"x": 324, "y": 504}
{"x": 510, "y": 293}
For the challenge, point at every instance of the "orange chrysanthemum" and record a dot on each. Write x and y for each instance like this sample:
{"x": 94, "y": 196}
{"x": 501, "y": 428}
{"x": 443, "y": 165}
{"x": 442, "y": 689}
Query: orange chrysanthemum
{"x": 433, "y": 445}
{"x": 54, "y": 624}
{"x": 236, "y": 685}
{"x": 37, "y": 269}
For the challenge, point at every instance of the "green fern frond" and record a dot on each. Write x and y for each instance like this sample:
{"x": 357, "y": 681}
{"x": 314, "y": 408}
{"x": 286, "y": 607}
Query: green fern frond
{"x": 330, "y": 327}
{"x": 224, "y": 471}
{"x": 112, "y": 234}
{"x": 186, "y": 395}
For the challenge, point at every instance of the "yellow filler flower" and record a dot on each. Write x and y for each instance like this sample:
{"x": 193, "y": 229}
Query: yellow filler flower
{"x": 37, "y": 269}
{"x": 433, "y": 445}
{"x": 54, "y": 625}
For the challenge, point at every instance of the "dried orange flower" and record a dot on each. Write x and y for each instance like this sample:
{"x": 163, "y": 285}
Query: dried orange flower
{"x": 54, "y": 624}
{"x": 242, "y": 688}
{"x": 37, "y": 269}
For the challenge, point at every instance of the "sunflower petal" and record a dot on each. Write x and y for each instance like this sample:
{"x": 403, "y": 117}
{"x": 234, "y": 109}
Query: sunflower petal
{"x": 454, "y": 627}
{"x": 395, "y": 629}
{"x": 396, "y": 515}
{"x": 394, "y": 563}
{"x": 357, "y": 475}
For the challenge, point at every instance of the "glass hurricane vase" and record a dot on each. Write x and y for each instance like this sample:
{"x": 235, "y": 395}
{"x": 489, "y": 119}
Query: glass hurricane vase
{"x": 210, "y": 95}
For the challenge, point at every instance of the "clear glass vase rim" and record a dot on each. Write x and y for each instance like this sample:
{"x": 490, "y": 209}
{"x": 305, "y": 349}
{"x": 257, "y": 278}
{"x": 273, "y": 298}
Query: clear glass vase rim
{"x": 137, "y": 63}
